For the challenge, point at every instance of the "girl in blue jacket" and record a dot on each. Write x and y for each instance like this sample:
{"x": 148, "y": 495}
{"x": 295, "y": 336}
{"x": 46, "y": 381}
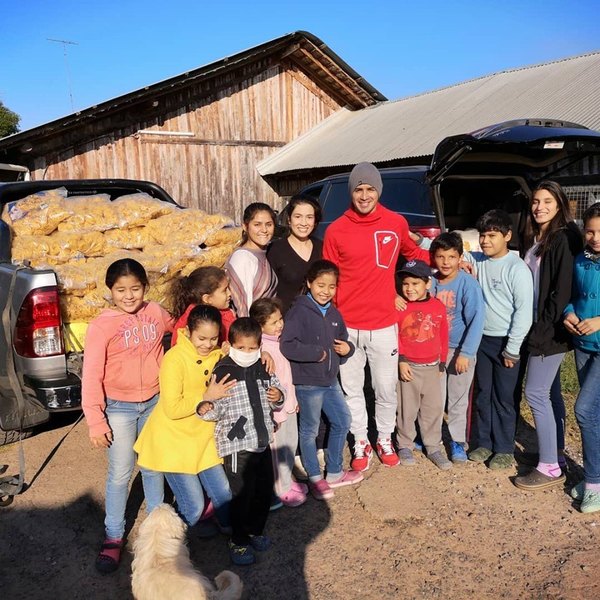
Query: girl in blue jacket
{"x": 315, "y": 341}
{"x": 582, "y": 320}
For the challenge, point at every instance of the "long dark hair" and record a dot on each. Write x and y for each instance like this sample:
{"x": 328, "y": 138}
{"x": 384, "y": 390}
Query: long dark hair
{"x": 189, "y": 290}
{"x": 250, "y": 211}
{"x": 296, "y": 201}
{"x": 560, "y": 221}
{"x": 124, "y": 267}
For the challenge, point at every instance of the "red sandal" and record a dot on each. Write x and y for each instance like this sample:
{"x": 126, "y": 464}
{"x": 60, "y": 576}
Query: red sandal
{"x": 109, "y": 557}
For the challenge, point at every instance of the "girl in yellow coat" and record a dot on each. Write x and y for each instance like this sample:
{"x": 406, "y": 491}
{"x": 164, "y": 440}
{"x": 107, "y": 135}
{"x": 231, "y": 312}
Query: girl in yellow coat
{"x": 174, "y": 440}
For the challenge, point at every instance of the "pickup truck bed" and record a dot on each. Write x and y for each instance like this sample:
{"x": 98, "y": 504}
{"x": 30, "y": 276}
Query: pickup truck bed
{"x": 31, "y": 386}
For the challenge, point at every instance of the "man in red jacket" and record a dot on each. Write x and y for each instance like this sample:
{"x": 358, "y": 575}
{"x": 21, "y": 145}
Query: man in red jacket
{"x": 365, "y": 243}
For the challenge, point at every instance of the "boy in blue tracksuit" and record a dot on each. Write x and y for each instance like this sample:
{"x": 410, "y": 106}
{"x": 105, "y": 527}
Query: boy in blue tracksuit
{"x": 507, "y": 287}
{"x": 460, "y": 293}
{"x": 315, "y": 341}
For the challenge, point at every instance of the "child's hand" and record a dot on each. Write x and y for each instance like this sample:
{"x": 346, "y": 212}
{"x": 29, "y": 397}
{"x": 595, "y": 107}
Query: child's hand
{"x": 570, "y": 322}
{"x": 400, "y": 303}
{"x": 462, "y": 364}
{"x": 273, "y": 394}
{"x": 588, "y": 326}
{"x": 297, "y": 408}
{"x": 225, "y": 346}
{"x": 467, "y": 267}
{"x": 341, "y": 347}
{"x": 267, "y": 360}
{"x": 218, "y": 389}
{"x": 509, "y": 363}
{"x": 405, "y": 372}
{"x": 102, "y": 441}
{"x": 204, "y": 407}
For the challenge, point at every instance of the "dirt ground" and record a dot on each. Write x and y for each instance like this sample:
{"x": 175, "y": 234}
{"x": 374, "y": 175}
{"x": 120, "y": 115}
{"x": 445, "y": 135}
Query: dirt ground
{"x": 406, "y": 532}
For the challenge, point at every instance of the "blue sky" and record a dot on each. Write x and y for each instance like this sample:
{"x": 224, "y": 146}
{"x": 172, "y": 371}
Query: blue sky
{"x": 401, "y": 48}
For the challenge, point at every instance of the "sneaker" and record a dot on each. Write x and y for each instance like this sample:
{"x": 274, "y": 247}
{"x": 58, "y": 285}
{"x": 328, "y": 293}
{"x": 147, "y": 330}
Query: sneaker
{"x": 418, "y": 446}
{"x": 362, "y": 456}
{"x": 458, "y": 453}
{"x": 293, "y": 498}
{"x": 347, "y": 478}
{"x": 577, "y": 491}
{"x": 438, "y": 458}
{"x": 109, "y": 557}
{"x": 299, "y": 487}
{"x": 260, "y": 542}
{"x": 480, "y": 454}
{"x": 535, "y": 480}
{"x": 386, "y": 453}
{"x": 276, "y": 503}
{"x": 241, "y": 555}
{"x": 406, "y": 457}
{"x": 321, "y": 490}
{"x": 590, "y": 502}
{"x": 502, "y": 461}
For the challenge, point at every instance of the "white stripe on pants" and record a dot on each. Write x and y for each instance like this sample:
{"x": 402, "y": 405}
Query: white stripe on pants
{"x": 380, "y": 348}
{"x": 455, "y": 391}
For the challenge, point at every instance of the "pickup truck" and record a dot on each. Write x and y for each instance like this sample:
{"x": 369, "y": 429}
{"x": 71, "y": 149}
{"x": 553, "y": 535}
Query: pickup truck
{"x": 37, "y": 376}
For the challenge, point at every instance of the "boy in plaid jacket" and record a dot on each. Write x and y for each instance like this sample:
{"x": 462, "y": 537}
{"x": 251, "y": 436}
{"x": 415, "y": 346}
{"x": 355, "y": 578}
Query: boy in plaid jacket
{"x": 243, "y": 432}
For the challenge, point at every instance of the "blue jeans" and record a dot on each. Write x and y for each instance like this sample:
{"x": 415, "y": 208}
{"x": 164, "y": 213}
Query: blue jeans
{"x": 313, "y": 399}
{"x": 544, "y": 396}
{"x": 188, "y": 490}
{"x": 587, "y": 412}
{"x": 126, "y": 420}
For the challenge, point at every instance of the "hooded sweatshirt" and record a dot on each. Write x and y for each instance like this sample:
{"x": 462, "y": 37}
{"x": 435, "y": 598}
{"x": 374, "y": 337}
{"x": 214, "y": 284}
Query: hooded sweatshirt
{"x": 307, "y": 333}
{"x": 174, "y": 439}
{"x": 121, "y": 360}
{"x": 366, "y": 248}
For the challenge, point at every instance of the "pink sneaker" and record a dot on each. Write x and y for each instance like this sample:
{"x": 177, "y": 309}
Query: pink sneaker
{"x": 293, "y": 498}
{"x": 347, "y": 478}
{"x": 299, "y": 487}
{"x": 321, "y": 490}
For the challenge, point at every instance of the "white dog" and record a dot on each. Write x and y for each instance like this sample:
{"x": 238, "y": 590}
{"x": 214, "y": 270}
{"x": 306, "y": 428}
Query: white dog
{"x": 162, "y": 570}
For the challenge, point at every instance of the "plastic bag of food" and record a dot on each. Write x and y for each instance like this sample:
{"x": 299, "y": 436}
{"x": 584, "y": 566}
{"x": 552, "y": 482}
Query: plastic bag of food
{"x": 90, "y": 213}
{"x": 136, "y": 237}
{"x": 39, "y": 213}
{"x": 137, "y": 209}
{"x": 225, "y": 235}
{"x": 74, "y": 279}
{"x": 76, "y": 308}
{"x": 215, "y": 256}
{"x": 190, "y": 226}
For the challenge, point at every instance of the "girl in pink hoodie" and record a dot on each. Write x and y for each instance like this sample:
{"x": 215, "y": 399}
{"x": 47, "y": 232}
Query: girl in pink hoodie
{"x": 268, "y": 313}
{"x": 123, "y": 351}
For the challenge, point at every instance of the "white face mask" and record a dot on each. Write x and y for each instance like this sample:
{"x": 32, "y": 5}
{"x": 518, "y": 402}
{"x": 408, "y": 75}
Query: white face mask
{"x": 244, "y": 359}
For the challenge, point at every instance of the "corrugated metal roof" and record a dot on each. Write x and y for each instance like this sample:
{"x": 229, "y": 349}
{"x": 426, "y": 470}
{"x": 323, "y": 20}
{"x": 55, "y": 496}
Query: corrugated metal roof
{"x": 568, "y": 89}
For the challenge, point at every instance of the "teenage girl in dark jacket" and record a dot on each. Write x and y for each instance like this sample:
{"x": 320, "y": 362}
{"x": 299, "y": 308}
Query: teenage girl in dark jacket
{"x": 551, "y": 242}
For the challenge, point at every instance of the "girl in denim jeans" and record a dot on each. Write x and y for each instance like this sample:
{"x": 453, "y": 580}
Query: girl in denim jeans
{"x": 123, "y": 351}
{"x": 315, "y": 341}
{"x": 582, "y": 320}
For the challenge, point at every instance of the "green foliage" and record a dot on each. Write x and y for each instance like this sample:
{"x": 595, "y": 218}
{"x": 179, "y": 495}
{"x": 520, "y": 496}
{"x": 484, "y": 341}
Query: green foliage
{"x": 9, "y": 121}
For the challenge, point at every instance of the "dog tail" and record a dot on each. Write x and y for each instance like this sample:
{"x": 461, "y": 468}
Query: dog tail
{"x": 229, "y": 586}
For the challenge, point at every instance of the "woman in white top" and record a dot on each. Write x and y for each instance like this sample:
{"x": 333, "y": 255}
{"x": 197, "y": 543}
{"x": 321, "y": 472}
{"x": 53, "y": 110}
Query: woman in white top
{"x": 250, "y": 275}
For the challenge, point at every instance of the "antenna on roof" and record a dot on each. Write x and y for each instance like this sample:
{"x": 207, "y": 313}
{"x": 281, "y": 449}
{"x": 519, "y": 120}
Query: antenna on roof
{"x": 64, "y": 45}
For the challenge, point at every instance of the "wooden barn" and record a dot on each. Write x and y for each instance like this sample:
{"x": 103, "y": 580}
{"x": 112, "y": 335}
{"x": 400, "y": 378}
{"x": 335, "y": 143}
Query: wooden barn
{"x": 201, "y": 134}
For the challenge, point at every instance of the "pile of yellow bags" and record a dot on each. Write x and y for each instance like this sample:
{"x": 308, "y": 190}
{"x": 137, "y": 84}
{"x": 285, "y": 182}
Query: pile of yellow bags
{"x": 80, "y": 237}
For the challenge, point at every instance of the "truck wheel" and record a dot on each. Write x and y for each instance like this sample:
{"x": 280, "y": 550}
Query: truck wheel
{"x": 11, "y": 436}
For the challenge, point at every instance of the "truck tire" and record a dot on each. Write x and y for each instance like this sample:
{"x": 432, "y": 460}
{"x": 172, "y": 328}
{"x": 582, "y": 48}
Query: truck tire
{"x": 11, "y": 436}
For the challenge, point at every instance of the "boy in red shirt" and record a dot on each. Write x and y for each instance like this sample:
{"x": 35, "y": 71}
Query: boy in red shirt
{"x": 422, "y": 351}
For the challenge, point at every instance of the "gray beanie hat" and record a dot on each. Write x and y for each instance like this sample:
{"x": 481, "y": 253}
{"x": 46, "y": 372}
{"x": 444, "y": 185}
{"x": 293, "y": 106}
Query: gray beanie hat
{"x": 365, "y": 172}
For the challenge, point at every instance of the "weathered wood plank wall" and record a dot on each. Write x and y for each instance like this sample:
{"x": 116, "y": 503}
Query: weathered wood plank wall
{"x": 235, "y": 120}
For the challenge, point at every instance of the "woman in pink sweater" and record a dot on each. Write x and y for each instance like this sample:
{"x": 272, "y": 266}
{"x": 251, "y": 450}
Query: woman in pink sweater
{"x": 123, "y": 351}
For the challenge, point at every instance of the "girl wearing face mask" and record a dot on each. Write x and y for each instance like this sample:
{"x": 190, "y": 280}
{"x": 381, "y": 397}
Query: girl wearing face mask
{"x": 250, "y": 276}
{"x": 291, "y": 256}
{"x": 243, "y": 432}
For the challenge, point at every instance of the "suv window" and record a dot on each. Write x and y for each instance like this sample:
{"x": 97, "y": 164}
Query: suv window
{"x": 409, "y": 197}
